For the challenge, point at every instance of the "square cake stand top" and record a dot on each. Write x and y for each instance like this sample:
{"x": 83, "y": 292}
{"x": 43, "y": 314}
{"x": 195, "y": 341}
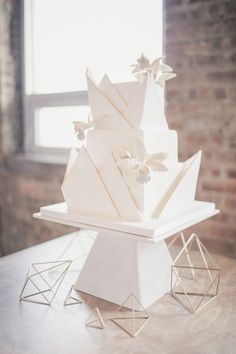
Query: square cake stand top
{"x": 151, "y": 230}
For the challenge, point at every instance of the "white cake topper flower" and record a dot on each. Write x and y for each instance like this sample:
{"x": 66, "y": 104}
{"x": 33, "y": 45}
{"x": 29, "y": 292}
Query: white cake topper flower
{"x": 161, "y": 71}
{"x": 138, "y": 163}
{"x": 81, "y": 127}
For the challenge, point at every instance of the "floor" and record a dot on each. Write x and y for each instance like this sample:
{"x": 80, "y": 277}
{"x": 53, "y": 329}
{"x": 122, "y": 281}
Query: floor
{"x": 27, "y": 328}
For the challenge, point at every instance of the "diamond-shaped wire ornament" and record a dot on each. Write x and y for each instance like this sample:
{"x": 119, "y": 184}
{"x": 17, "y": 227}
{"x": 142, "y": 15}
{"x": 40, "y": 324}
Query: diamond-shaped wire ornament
{"x": 128, "y": 319}
{"x": 43, "y": 281}
{"x": 194, "y": 276}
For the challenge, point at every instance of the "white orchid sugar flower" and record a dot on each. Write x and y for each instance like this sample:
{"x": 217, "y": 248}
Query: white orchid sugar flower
{"x": 137, "y": 162}
{"x": 81, "y": 127}
{"x": 161, "y": 71}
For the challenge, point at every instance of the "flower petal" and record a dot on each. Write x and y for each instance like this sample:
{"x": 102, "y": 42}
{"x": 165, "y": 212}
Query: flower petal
{"x": 143, "y": 61}
{"x": 128, "y": 164}
{"x": 156, "y": 64}
{"x": 159, "y": 157}
{"x": 167, "y": 76}
{"x": 140, "y": 76}
{"x": 80, "y": 125}
{"x": 166, "y": 68}
{"x": 137, "y": 150}
{"x": 158, "y": 167}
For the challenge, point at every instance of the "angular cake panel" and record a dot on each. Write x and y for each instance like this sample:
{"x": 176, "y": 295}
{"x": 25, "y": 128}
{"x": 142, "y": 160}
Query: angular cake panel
{"x": 112, "y": 93}
{"x": 146, "y": 111}
{"x": 101, "y": 107}
{"x": 128, "y": 90}
{"x": 127, "y": 105}
{"x": 119, "y": 191}
{"x": 181, "y": 193}
{"x": 72, "y": 158}
{"x": 84, "y": 190}
{"x": 148, "y": 195}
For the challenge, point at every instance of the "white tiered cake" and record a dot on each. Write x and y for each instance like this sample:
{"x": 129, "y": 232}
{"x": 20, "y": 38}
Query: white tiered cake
{"x": 126, "y": 183}
{"x": 128, "y": 168}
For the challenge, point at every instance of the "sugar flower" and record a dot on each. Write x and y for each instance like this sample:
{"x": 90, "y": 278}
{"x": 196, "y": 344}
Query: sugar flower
{"x": 161, "y": 71}
{"x": 81, "y": 127}
{"x": 136, "y": 162}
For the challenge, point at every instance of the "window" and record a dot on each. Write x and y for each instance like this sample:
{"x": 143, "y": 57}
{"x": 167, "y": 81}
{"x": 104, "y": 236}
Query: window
{"x": 64, "y": 37}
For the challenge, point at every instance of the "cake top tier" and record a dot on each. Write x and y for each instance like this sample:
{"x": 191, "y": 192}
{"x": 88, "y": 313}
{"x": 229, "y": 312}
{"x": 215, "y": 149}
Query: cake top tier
{"x": 132, "y": 105}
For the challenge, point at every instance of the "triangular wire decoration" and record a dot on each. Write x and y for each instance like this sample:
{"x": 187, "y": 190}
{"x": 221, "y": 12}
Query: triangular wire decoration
{"x": 78, "y": 247}
{"x": 180, "y": 237}
{"x": 41, "y": 277}
{"x": 122, "y": 316}
{"x": 95, "y": 319}
{"x": 72, "y": 298}
{"x": 186, "y": 290}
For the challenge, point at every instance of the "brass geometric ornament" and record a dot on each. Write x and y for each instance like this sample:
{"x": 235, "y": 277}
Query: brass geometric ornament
{"x": 72, "y": 298}
{"x": 194, "y": 276}
{"x": 95, "y": 319}
{"x": 43, "y": 281}
{"x": 128, "y": 319}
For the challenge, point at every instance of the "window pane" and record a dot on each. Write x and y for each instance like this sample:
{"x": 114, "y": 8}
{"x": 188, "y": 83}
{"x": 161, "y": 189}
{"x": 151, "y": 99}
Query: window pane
{"x": 54, "y": 126}
{"x": 105, "y": 35}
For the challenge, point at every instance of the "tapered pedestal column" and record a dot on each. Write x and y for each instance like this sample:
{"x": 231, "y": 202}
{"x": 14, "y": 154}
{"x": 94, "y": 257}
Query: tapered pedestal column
{"x": 119, "y": 266}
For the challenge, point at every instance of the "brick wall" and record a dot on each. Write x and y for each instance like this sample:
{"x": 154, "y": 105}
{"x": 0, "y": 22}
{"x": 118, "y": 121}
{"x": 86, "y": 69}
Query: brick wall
{"x": 201, "y": 46}
{"x": 24, "y": 185}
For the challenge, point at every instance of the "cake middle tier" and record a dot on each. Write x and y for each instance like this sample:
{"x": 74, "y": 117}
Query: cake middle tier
{"x": 100, "y": 143}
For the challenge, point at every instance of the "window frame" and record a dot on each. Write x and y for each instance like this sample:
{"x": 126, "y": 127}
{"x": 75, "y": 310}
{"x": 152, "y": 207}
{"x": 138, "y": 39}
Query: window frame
{"x": 33, "y": 101}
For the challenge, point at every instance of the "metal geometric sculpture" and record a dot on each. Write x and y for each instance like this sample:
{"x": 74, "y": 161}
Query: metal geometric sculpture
{"x": 194, "y": 285}
{"x": 180, "y": 237}
{"x": 95, "y": 319}
{"x": 43, "y": 278}
{"x": 72, "y": 298}
{"x": 132, "y": 323}
{"x": 78, "y": 246}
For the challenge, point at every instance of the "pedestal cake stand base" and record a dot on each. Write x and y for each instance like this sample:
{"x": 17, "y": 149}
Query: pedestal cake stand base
{"x": 128, "y": 257}
{"x": 118, "y": 266}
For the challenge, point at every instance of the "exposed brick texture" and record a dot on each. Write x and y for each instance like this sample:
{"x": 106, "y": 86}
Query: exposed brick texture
{"x": 201, "y": 46}
{"x": 24, "y": 187}
{"x": 200, "y": 104}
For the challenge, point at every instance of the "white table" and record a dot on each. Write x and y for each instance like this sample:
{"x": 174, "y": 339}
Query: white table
{"x": 27, "y": 328}
{"x": 128, "y": 257}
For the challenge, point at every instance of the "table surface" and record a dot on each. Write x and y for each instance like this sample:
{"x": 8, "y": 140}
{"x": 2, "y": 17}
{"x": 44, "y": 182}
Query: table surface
{"x": 35, "y": 329}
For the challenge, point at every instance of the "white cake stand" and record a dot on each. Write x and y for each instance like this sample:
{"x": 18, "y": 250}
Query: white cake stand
{"x": 128, "y": 257}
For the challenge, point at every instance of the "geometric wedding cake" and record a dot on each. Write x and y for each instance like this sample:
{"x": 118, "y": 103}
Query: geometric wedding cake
{"x": 127, "y": 166}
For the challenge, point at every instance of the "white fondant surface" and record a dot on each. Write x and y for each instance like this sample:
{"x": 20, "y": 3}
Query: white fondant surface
{"x": 119, "y": 191}
{"x": 181, "y": 191}
{"x": 150, "y": 228}
{"x": 146, "y": 110}
{"x": 128, "y": 105}
{"x": 84, "y": 190}
{"x": 101, "y": 142}
{"x": 124, "y": 113}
